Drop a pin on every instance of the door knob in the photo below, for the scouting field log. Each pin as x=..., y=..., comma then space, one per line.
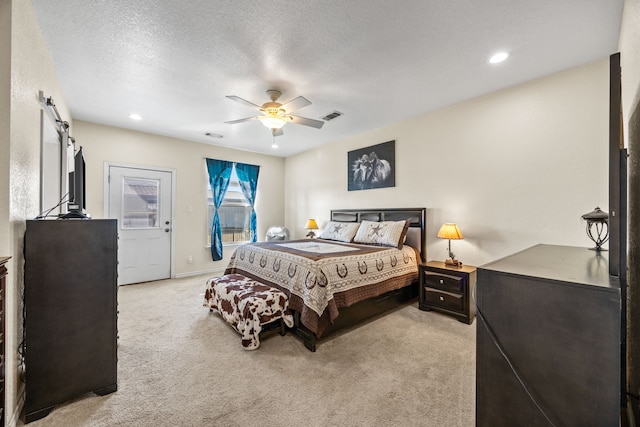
x=166, y=229
x=166, y=222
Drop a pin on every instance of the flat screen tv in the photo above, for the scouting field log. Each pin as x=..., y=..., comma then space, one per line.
x=77, y=196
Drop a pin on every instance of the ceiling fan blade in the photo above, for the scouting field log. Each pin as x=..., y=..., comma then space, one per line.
x=307, y=122
x=232, y=122
x=296, y=104
x=243, y=101
x=277, y=132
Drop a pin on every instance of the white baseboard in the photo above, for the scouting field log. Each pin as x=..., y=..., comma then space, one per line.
x=13, y=421
x=216, y=272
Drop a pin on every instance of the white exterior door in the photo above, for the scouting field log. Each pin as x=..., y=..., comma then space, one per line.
x=141, y=201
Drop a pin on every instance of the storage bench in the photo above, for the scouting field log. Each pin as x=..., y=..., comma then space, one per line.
x=248, y=306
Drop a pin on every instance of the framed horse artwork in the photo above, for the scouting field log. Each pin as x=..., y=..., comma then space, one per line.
x=372, y=167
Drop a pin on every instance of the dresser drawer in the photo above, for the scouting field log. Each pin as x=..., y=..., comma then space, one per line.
x=444, y=299
x=444, y=281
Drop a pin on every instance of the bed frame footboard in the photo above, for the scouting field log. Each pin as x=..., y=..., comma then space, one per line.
x=356, y=314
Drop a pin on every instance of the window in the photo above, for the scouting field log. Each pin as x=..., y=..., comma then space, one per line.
x=235, y=213
x=140, y=203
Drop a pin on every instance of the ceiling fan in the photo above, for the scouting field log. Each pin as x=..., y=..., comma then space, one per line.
x=275, y=115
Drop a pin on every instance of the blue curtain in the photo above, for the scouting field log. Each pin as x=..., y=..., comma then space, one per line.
x=248, y=177
x=219, y=173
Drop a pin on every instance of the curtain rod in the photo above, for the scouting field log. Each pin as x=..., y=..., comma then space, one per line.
x=233, y=161
x=64, y=125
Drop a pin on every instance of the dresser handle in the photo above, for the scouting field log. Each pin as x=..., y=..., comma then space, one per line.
x=441, y=282
x=441, y=298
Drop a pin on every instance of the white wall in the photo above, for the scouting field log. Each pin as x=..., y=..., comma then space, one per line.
x=630, y=57
x=513, y=168
x=5, y=123
x=109, y=144
x=30, y=69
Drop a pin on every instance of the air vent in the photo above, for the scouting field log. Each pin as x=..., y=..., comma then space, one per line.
x=332, y=116
x=213, y=135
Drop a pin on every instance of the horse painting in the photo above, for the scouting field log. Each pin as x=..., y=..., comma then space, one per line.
x=370, y=172
x=368, y=169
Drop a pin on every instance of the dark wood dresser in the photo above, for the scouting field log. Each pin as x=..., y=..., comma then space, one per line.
x=70, y=307
x=555, y=312
x=3, y=351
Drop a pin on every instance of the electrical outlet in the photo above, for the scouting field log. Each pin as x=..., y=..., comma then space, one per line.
x=190, y=259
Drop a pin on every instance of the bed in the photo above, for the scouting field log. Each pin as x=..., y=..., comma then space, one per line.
x=355, y=271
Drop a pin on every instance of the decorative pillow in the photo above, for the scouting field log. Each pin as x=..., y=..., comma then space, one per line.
x=385, y=233
x=340, y=231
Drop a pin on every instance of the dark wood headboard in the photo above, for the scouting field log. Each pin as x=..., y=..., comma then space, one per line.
x=416, y=234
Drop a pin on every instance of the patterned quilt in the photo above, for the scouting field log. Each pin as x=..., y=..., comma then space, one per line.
x=321, y=276
x=247, y=305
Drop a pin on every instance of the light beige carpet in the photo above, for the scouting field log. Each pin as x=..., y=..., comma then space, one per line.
x=180, y=365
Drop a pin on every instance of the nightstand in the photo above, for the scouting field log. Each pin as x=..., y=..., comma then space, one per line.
x=448, y=289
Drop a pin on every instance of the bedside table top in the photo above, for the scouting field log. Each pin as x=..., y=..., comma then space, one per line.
x=441, y=265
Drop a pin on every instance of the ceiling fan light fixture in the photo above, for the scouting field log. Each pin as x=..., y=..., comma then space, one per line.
x=275, y=115
x=273, y=122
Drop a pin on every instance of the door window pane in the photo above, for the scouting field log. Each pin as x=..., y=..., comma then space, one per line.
x=140, y=203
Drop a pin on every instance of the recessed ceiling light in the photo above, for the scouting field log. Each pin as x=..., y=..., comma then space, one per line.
x=135, y=116
x=274, y=145
x=498, y=57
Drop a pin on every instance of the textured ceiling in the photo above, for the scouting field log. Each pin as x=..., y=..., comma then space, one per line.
x=376, y=61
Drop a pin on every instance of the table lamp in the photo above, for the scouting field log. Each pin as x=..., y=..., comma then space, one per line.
x=311, y=225
x=450, y=231
x=597, y=227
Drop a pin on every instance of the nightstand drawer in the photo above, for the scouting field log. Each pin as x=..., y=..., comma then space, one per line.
x=444, y=281
x=444, y=299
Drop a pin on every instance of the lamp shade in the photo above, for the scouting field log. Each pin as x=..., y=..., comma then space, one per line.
x=311, y=224
x=450, y=231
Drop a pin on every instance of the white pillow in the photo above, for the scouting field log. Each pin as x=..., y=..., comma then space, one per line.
x=340, y=231
x=385, y=233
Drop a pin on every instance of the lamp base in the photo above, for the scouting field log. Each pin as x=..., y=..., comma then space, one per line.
x=453, y=262
x=311, y=235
